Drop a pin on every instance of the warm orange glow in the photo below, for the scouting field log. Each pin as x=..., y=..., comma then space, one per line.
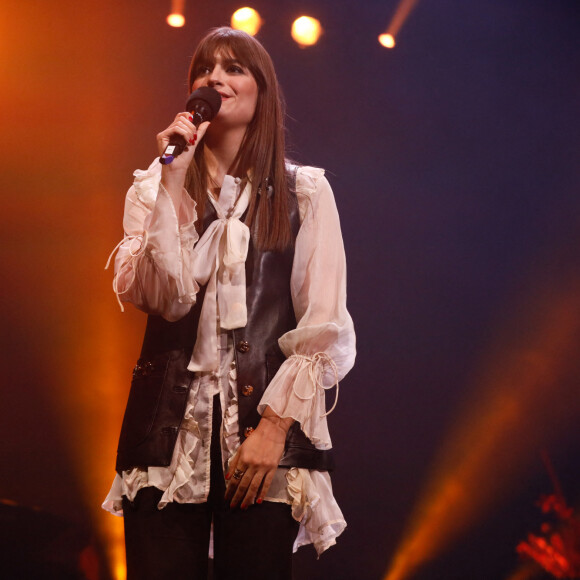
x=387, y=40
x=85, y=348
x=111, y=533
x=516, y=404
x=306, y=30
x=96, y=413
x=95, y=368
x=176, y=20
x=117, y=555
x=246, y=19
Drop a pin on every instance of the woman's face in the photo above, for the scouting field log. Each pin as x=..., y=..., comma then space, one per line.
x=235, y=84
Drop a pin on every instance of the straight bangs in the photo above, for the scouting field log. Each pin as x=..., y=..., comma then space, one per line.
x=232, y=44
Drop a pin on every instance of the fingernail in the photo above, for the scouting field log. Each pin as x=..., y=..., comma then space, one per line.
x=192, y=141
x=244, y=506
x=228, y=475
x=190, y=119
x=259, y=500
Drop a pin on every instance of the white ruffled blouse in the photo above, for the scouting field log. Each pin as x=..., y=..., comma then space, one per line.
x=160, y=266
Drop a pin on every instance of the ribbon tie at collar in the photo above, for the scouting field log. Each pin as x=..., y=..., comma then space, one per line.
x=219, y=261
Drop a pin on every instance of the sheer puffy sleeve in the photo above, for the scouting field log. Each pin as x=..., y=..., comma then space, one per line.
x=321, y=350
x=153, y=263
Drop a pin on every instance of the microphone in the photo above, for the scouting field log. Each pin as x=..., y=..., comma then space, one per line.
x=204, y=104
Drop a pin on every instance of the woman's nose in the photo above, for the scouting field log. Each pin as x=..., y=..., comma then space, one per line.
x=215, y=78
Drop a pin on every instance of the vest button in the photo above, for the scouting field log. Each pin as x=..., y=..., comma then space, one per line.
x=248, y=431
x=243, y=346
x=247, y=390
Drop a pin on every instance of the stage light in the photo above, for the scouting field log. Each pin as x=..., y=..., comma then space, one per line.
x=246, y=19
x=387, y=40
x=403, y=11
x=523, y=397
x=176, y=18
x=306, y=31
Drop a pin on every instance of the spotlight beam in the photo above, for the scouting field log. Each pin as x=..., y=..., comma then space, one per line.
x=517, y=404
x=403, y=11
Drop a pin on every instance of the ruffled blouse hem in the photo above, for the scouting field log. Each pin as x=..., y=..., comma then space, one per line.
x=309, y=493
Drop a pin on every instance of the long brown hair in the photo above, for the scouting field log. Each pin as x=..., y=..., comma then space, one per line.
x=261, y=157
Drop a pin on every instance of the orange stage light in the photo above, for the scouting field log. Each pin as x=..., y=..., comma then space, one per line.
x=306, y=31
x=246, y=19
x=404, y=9
x=525, y=393
x=176, y=18
x=387, y=40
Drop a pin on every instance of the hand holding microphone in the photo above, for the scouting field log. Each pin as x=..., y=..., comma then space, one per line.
x=203, y=104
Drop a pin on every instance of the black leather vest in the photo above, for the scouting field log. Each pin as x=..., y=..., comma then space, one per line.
x=161, y=381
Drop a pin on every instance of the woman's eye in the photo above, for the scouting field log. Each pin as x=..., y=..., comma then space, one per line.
x=203, y=69
x=234, y=68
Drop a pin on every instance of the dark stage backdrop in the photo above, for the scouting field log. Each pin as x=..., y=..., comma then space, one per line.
x=454, y=161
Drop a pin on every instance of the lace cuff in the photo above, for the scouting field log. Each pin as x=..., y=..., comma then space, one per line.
x=129, y=264
x=298, y=391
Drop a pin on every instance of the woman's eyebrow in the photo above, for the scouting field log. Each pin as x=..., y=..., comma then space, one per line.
x=226, y=61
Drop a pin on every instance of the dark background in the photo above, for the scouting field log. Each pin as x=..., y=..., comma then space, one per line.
x=454, y=162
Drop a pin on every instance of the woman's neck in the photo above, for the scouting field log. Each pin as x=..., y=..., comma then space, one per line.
x=220, y=153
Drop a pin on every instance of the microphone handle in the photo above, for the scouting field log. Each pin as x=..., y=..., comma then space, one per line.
x=177, y=142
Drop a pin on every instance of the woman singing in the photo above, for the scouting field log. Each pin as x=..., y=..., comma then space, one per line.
x=236, y=255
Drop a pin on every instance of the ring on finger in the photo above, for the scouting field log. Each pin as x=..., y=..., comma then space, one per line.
x=238, y=474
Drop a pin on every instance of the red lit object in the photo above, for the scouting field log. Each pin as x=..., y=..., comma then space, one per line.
x=558, y=550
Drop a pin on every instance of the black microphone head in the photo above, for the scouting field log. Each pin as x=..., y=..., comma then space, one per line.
x=205, y=101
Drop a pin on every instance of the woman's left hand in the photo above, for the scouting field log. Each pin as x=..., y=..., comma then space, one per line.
x=252, y=468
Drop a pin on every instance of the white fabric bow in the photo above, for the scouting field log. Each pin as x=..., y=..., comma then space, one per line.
x=219, y=261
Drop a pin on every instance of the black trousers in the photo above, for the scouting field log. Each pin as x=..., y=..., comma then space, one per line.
x=173, y=543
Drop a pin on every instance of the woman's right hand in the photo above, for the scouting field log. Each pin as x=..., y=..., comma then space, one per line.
x=173, y=174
